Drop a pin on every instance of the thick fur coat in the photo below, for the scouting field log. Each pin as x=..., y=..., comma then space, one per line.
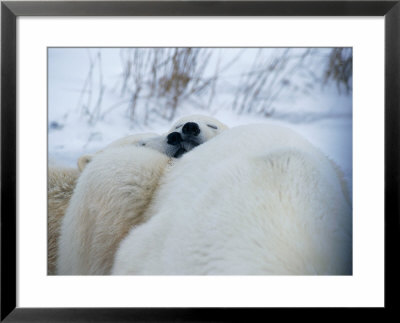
x=254, y=200
x=110, y=198
x=114, y=191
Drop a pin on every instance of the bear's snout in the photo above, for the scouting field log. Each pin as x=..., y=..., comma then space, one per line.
x=191, y=128
x=174, y=138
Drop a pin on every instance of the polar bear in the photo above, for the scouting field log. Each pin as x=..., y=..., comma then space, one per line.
x=256, y=199
x=185, y=134
x=110, y=197
x=61, y=184
x=115, y=189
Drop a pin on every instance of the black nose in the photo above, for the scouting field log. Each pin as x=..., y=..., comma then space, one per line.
x=191, y=128
x=174, y=138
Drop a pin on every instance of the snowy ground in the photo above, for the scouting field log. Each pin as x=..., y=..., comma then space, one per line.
x=322, y=116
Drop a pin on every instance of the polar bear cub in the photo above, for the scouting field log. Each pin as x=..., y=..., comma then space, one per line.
x=185, y=134
x=110, y=197
x=114, y=192
x=61, y=184
x=256, y=199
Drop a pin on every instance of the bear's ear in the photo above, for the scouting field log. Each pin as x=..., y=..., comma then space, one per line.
x=83, y=161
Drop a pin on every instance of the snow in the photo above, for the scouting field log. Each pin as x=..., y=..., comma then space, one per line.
x=320, y=114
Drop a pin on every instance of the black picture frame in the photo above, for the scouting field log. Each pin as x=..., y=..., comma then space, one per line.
x=10, y=10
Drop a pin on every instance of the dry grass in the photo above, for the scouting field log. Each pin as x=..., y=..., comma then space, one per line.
x=157, y=82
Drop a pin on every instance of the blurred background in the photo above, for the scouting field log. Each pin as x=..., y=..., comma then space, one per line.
x=97, y=95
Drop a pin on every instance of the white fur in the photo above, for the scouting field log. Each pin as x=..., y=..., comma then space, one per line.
x=60, y=186
x=254, y=200
x=127, y=141
x=109, y=199
x=112, y=194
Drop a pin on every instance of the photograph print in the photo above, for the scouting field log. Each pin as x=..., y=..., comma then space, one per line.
x=199, y=161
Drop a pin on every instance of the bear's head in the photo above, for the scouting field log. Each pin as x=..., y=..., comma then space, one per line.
x=191, y=131
x=132, y=140
x=186, y=134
